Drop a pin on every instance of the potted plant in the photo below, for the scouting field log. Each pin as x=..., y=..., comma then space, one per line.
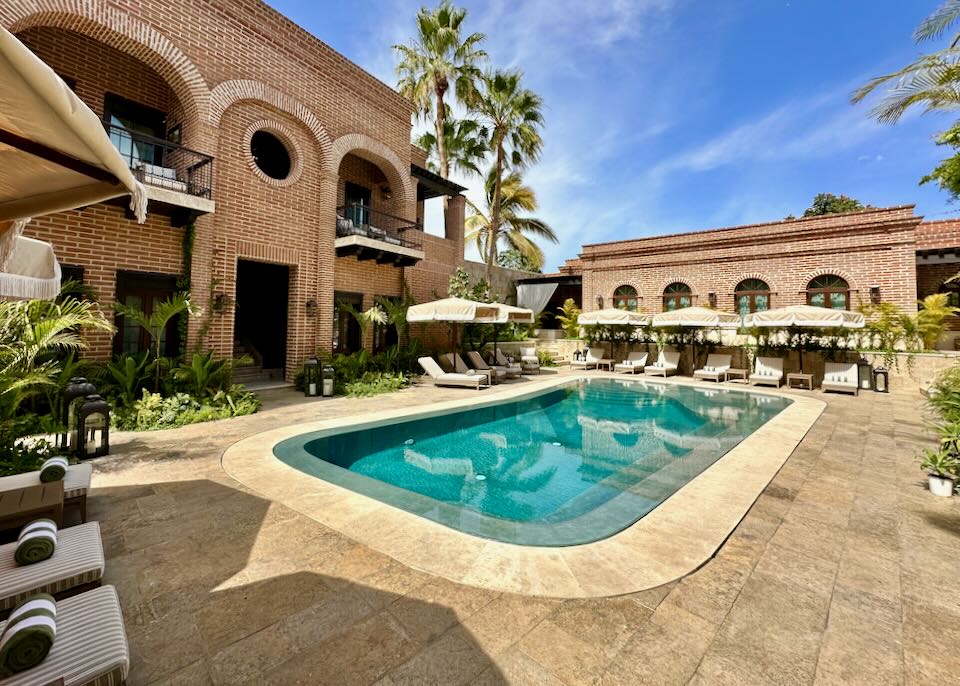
x=941, y=467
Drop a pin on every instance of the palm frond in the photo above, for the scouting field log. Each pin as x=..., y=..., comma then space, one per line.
x=938, y=23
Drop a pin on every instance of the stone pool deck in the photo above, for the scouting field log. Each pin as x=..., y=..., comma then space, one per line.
x=843, y=571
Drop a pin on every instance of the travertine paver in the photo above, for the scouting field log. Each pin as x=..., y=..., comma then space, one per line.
x=843, y=571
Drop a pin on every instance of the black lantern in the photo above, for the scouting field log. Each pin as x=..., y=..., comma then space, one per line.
x=328, y=376
x=311, y=380
x=864, y=375
x=881, y=380
x=93, y=427
x=73, y=394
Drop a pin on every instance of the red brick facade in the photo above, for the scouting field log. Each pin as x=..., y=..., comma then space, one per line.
x=221, y=71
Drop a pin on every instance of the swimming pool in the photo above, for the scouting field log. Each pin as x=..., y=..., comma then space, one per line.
x=565, y=466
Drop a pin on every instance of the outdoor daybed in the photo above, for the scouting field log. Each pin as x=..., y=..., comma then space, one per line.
x=716, y=366
x=841, y=377
x=442, y=378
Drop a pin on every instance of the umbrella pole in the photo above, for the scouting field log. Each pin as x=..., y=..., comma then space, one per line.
x=495, y=337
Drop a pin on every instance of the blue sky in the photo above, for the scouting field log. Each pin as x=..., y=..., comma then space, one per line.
x=676, y=115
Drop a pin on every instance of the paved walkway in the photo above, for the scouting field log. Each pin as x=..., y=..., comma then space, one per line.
x=844, y=571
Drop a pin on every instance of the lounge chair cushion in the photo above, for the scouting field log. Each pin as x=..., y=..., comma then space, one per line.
x=76, y=483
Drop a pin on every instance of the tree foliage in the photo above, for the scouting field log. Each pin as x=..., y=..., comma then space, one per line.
x=947, y=173
x=569, y=318
x=465, y=142
x=828, y=203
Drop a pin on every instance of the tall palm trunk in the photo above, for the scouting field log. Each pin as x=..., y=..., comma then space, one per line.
x=493, y=233
x=441, y=124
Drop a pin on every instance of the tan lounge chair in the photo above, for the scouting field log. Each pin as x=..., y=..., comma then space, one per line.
x=591, y=360
x=442, y=378
x=452, y=362
x=634, y=363
x=668, y=363
x=480, y=364
x=714, y=369
x=529, y=361
x=841, y=377
x=90, y=648
x=76, y=565
x=502, y=361
x=76, y=484
x=768, y=371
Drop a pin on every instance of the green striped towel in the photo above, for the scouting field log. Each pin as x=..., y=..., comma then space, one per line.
x=53, y=469
x=28, y=635
x=36, y=542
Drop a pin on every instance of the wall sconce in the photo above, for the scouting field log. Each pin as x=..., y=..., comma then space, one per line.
x=874, y=295
x=599, y=302
x=221, y=303
x=712, y=300
x=311, y=308
x=386, y=192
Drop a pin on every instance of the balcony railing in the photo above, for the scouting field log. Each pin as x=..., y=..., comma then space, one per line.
x=162, y=164
x=360, y=220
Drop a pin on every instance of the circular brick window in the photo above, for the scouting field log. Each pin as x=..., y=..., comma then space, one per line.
x=272, y=154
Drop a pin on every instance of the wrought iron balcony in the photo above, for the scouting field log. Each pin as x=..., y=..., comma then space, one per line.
x=360, y=220
x=162, y=164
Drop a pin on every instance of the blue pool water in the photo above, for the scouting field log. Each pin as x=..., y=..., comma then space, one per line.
x=569, y=465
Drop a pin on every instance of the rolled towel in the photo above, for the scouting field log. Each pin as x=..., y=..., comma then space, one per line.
x=54, y=469
x=29, y=634
x=36, y=542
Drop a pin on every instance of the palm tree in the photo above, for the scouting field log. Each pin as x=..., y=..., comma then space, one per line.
x=436, y=58
x=516, y=230
x=511, y=115
x=156, y=322
x=932, y=80
x=931, y=318
x=465, y=144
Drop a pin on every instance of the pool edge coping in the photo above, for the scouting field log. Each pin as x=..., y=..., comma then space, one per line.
x=673, y=540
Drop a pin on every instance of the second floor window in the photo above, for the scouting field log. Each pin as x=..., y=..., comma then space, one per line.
x=752, y=295
x=676, y=296
x=830, y=291
x=625, y=298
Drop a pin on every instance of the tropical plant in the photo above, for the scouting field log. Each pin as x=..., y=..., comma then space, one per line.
x=512, y=118
x=465, y=142
x=931, y=319
x=395, y=310
x=156, y=322
x=204, y=375
x=947, y=173
x=514, y=259
x=940, y=463
x=516, y=229
x=436, y=59
x=365, y=318
x=568, y=318
x=154, y=411
x=128, y=374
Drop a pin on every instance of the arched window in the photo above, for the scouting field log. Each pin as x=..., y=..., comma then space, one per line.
x=625, y=297
x=752, y=295
x=830, y=291
x=676, y=296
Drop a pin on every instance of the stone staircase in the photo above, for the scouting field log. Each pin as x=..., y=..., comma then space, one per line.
x=254, y=376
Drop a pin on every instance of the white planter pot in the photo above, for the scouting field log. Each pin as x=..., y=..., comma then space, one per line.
x=941, y=486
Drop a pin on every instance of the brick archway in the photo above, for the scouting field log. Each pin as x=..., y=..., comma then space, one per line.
x=121, y=31
x=376, y=152
x=231, y=92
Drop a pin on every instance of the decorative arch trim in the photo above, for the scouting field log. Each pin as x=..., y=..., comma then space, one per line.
x=378, y=153
x=810, y=276
x=676, y=279
x=753, y=275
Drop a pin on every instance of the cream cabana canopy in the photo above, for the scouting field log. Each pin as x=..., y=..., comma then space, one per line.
x=805, y=316
x=697, y=317
x=455, y=310
x=54, y=156
x=510, y=313
x=612, y=316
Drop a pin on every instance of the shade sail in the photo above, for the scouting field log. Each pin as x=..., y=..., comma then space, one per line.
x=805, y=316
x=699, y=317
x=612, y=316
x=454, y=310
x=510, y=313
x=54, y=152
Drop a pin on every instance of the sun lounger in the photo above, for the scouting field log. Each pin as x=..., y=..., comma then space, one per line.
x=590, y=360
x=529, y=361
x=668, y=363
x=634, y=363
x=512, y=367
x=76, y=484
x=714, y=369
x=442, y=378
x=768, y=371
x=76, y=565
x=452, y=362
x=841, y=377
x=90, y=647
x=498, y=373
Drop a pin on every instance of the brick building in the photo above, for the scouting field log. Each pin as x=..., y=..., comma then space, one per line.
x=885, y=254
x=281, y=176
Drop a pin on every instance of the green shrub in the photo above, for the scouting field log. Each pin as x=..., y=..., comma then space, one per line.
x=153, y=411
x=545, y=358
x=374, y=383
x=16, y=455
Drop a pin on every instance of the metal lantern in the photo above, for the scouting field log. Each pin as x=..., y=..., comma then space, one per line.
x=73, y=394
x=93, y=427
x=328, y=376
x=311, y=380
x=881, y=380
x=864, y=375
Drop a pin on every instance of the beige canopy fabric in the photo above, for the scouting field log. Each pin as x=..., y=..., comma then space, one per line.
x=455, y=310
x=509, y=313
x=699, y=317
x=612, y=316
x=30, y=271
x=805, y=316
x=54, y=152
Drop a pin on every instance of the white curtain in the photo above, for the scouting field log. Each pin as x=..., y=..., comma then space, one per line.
x=535, y=296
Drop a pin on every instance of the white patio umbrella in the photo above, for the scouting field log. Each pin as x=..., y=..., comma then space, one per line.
x=54, y=156
x=804, y=317
x=612, y=316
x=455, y=311
x=697, y=318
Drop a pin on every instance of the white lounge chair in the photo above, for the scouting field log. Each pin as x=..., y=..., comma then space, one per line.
x=841, y=377
x=452, y=362
x=668, y=363
x=76, y=565
x=76, y=484
x=529, y=361
x=592, y=359
x=91, y=644
x=768, y=371
x=442, y=378
x=504, y=362
x=714, y=369
x=634, y=363
x=497, y=374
